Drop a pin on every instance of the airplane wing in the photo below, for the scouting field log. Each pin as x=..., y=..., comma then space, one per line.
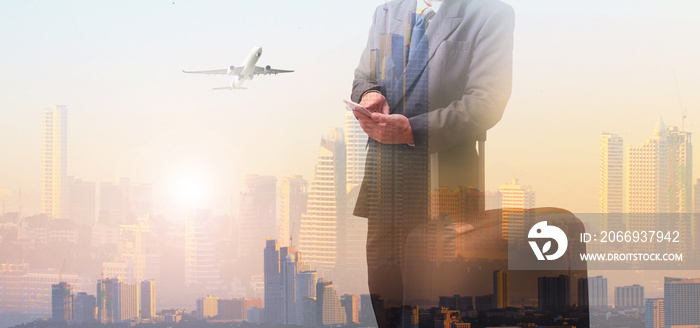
x=213, y=71
x=267, y=70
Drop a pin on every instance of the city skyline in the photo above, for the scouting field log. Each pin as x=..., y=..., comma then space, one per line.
x=202, y=135
x=152, y=154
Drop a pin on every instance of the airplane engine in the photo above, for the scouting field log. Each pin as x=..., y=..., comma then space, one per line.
x=230, y=70
x=267, y=70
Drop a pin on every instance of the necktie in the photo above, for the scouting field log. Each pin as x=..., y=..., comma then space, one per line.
x=419, y=30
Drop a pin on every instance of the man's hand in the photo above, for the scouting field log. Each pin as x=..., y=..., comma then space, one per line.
x=381, y=126
x=375, y=102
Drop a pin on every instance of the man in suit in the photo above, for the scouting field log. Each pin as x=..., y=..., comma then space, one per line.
x=436, y=75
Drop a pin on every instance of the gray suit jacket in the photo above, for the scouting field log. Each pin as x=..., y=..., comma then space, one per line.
x=470, y=73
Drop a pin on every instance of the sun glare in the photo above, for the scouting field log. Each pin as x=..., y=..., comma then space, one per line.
x=192, y=189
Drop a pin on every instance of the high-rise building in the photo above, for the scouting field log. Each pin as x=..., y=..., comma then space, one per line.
x=54, y=161
x=409, y=317
x=351, y=304
x=629, y=297
x=515, y=199
x=320, y=238
x=611, y=173
x=292, y=196
x=289, y=267
x=593, y=292
x=82, y=207
x=200, y=254
x=680, y=170
x=207, y=307
x=281, y=268
x=681, y=302
x=659, y=173
x=352, y=254
x=306, y=289
x=329, y=312
x=654, y=313
x=125, y=301
x=501, y=289
x=612, y=201
x=553, y=293
x=696, y=194
x=356, y=150
x=366, y=310
x=137, y=258
x=61, y=302
x=273, y=283
x=148, y=299
x=257, y=217
x=105, y=298
x=124, y=202
x=84, y=308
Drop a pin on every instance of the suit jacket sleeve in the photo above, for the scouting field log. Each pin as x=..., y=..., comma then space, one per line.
x=486, y=93
x=363, y=82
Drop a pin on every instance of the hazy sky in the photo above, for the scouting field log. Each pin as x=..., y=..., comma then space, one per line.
x=580, y=68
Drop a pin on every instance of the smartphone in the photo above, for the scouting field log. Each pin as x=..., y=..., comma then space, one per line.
x=357, y=107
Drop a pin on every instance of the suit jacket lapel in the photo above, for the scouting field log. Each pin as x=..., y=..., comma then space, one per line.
x=440, y=28
x=443, y=24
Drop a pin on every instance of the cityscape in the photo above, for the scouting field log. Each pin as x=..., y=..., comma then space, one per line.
x=248, y=269
x=133, y=196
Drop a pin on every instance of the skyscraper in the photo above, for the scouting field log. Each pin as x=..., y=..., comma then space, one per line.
x=515, y=199
x=320, y=237
x=306, y=290
x=148, y=299
x=681, y=302
x=696, y=201
x=680, y=170
x=207, y=307
x=659, y=173
x=124, y=202
x=501, y=289
x=84, y=308
x=647, y=174
x=352, y=256
x=257, y=217
x=273, y=283
x=289, y=267
x=597, y=293
x=200, y=257
x=54, y=161
x=292, y=196
x=329, y=311
x=61, y=302
x=611, y=173
x=125, y=301
x=553, y=293
x=105, y=297
x=83, y=202
x=351, y=304
x=629, y=297
x=654, y=313
x=612, y=201
x=356, y=151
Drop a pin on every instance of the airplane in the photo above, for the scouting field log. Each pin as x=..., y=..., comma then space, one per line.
x=244, y=72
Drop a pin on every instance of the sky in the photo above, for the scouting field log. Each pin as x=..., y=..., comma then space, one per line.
x=580, y=69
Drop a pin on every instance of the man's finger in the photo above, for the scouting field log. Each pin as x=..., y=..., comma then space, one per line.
x=382, y=118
